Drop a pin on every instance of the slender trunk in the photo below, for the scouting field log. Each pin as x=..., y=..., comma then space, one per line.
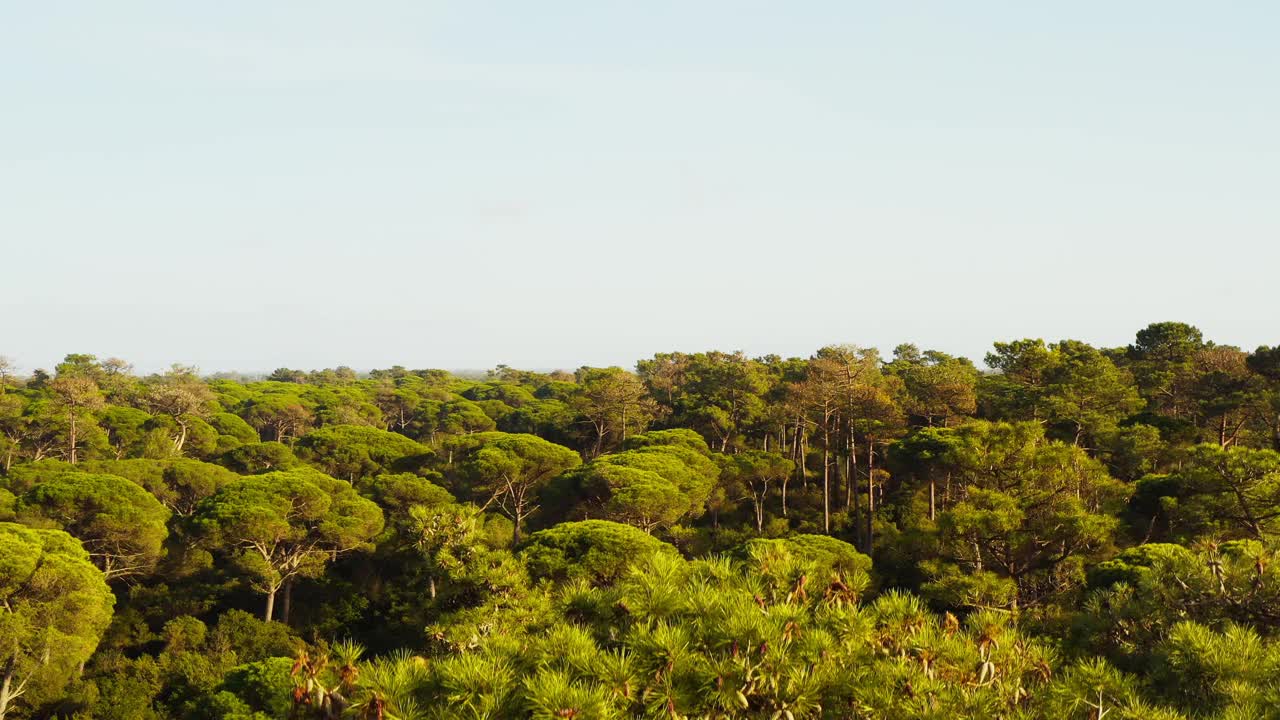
x=73, y=438
x=826, y=482
x=6, y=688
x=933, y=499
x=271, y=605
x=871, y=493
x=853, y=485
x=849, y=478
x=837, y=476
x=804, y=457
x=286, y=602
x=431, y=581
x=182, y=438
x=515, y=533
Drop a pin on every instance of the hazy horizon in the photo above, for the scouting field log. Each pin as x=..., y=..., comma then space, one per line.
x=457, y=185
x=25, y=368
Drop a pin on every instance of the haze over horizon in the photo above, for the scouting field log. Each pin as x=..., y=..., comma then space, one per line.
x=886, y=352
x=457, y=185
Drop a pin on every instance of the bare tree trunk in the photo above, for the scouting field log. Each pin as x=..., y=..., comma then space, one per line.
x=804, y=456
x=871, y=490
x=271, y=606
x=853, y=480
x=826, y=481
x=837, y=476
x=599, y=440
x=6, y=690
x=850, y=479
x=73, y=438
x=286, y=602
x=182, y=438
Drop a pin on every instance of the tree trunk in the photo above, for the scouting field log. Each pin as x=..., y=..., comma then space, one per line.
x=838, y=478
x=804, y=457
x=871, y=493
x=599, y=441
x=853, y=485
x=6, y=688
x=73, y=439
x=515, y=532
x=271, y=606
x=286, y=602
x=181, y=439
x=826, y=482
x=850, y=480
x=933, y=499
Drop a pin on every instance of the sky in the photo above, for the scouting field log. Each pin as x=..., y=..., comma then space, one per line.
x=244, y=185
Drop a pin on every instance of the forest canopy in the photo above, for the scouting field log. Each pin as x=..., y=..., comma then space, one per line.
x=1064, y=531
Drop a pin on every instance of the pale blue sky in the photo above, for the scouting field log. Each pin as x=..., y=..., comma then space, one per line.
x=243, y=185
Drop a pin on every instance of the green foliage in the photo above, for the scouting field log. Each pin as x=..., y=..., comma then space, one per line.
x=1081, y=533
x=265, y=686
x=121, y=525
x=54, y=607
x=1023, y=509
x=595, y=550
x=282, y=525
x=258, y=457
x=178, y=484
x=354, y=451
x=1232, y=491
x=1141, y=594
x=507, y=471
x=233, y=426
x=674, y=436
